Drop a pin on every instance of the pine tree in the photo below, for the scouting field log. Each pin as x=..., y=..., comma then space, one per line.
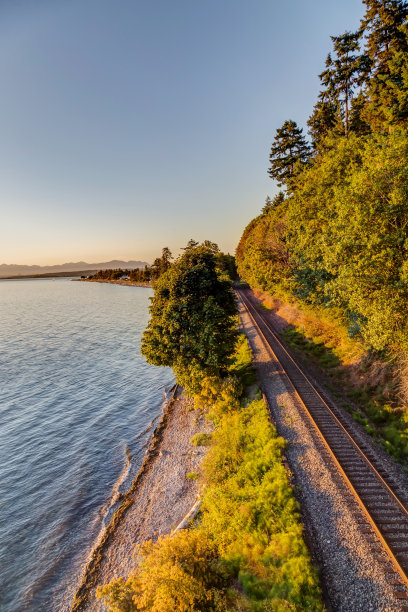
x=271, y=204
x=268, y=206
x=165, y=260
x=347, y=70
x=325, y=119
x=191, y=244
x=289, y=152
x=358, y=123
x=381, y=26
x=385, y=30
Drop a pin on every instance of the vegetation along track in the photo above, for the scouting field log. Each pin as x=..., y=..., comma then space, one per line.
x=383, y=505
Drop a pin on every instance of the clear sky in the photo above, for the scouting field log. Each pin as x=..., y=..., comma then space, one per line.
x=129, y=125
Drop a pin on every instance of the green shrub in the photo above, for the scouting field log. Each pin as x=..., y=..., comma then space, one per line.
x=250, y=534
x=192, y=476
x=201, y=439
x=247, y=553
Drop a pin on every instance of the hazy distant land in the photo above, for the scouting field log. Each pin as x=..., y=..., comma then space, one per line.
x=76, y=268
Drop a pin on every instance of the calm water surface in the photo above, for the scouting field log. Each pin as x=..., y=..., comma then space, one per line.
x=74, y=394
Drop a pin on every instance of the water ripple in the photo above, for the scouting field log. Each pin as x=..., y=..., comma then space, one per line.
x=74, y=394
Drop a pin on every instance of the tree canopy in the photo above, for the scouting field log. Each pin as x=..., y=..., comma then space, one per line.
x=340, y=237
x=193, y=318
x=289, y=152
x=344, y=71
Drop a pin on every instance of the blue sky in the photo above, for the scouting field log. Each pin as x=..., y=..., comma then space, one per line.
x=131, y=125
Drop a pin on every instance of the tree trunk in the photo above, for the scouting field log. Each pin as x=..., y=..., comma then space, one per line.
x=346, y=113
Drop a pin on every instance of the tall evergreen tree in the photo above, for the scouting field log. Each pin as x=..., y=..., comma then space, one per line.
x=165, y=260
x=381, y=26
x=358, y=123
x=385, y=29
x=344, y=72
x=271, y=204
x=325, y=119
x=289, y=152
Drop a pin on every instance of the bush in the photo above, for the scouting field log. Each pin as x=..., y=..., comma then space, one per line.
x=192, y=475
x=201, y=439
x=250, y=535
x=183, y=572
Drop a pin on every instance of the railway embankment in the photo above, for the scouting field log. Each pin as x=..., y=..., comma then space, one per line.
x=357, y=572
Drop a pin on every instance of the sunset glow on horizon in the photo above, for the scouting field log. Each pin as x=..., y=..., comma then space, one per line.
x=127, y=130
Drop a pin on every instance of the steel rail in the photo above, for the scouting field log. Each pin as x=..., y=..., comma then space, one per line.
x=346, y=473
x=308, y=381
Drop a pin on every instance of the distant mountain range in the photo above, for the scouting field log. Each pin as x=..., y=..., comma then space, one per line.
x=21, y=270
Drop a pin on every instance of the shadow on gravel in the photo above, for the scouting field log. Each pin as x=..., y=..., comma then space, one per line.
x=353, y=579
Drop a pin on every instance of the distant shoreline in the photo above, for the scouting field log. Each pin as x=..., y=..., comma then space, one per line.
x=49, y=275
x=115, y=282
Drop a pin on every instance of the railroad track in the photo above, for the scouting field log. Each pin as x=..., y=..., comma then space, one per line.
x=383, y=505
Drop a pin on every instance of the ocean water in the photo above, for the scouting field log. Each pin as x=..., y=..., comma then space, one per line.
x=75, y=394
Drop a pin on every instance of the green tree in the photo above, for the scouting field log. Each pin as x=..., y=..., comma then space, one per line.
x=211, y=246
x=271, y=204
x=381, y=26
x=192, y=327
x=350, y=243
x=166, y=258
x=358, y=123
x=289, y=154
x=161, y=264
x=344, y=71
x=262, y=256
x=191, y=244
x=324, y=120
x=385, y=31
x=226, y=265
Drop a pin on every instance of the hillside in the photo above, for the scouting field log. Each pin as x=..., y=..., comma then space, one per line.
x=330, y=251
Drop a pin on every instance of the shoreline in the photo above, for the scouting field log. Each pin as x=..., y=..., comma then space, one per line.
x=114, y=282
x=157, y=500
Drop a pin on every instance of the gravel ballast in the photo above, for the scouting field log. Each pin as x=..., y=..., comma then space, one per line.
x=354, y=568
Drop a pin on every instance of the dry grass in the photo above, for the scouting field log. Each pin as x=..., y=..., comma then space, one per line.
x=402, y=377
x=378, y=385
x=318, y=325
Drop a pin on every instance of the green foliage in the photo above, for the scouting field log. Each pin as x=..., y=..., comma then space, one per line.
x=182, y=573
x=250, y=510
x=350, y=240
x=193, y=320
x=201, y=439
x=161, y=264
x=341, y=240
x=114, y=274
x=242, y=366
x=226, y=266
x=263, y=257
x=250, y=534
x=387, y=103
x=344, y=72
x=247, y=552
x=140, y=275
x=337, y=247
x=325, y=356
x=382, y=27
x=289, y=154
x=324, y=120
x=271, y=204
x=192, y=475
